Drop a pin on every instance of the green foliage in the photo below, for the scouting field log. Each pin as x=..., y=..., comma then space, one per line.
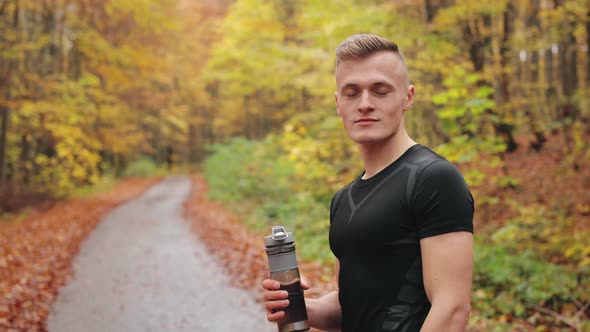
x=549, y=230
x=105, y=183
x=465, y=105
x=532, y=260
x=275, y=181
x=507, y=282
x=143, y=167
x=226, y=168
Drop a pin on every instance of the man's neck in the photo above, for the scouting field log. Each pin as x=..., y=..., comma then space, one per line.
x=376, y=157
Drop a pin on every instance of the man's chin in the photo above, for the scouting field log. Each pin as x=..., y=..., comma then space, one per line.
x=368, y=141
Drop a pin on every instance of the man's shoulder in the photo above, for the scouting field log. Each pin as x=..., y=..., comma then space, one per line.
x=434, y=172
x=422, y=155
x=343, y=189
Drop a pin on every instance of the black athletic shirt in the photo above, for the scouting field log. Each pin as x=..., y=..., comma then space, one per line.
x=375, y=231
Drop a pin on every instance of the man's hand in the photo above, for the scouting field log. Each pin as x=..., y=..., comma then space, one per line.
x=275, y=299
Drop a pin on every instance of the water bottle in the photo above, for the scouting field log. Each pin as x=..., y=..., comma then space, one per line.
x=282, y=263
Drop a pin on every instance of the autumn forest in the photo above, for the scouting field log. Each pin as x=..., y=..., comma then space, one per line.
x=94, y=91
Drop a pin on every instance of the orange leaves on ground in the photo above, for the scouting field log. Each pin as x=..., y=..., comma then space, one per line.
x=545, y=178
x=36, y=254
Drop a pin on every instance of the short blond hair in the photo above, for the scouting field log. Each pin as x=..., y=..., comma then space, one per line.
x=362, y=45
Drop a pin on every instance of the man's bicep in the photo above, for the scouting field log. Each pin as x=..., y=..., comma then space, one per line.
x=447, y=264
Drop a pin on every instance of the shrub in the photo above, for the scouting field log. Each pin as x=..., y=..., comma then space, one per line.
x=143, y=167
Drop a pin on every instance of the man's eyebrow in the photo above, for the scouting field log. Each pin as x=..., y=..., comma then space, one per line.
x=378, y=84
x=349, y=85
x=373, y=85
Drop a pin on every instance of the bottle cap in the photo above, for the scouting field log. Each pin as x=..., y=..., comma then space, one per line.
x=278, y=237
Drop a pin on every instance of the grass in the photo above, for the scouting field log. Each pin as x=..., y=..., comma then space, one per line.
x=105, y=183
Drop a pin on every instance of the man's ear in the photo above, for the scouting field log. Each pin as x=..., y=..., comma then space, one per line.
x=336, y=101
x=409, y=98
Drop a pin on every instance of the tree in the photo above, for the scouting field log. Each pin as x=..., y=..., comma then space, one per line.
x=3, y=133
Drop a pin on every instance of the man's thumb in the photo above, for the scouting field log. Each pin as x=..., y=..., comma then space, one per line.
x=304, y=283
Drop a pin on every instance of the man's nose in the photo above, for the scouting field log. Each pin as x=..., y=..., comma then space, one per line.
x=365, y=104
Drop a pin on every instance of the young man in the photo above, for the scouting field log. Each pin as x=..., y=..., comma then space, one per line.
x=402, y=231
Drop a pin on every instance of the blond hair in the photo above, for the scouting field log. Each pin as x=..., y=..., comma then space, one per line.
x=363, y=45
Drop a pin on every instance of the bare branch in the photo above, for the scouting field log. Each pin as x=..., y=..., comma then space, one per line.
x=553, y=314
x=582, y=310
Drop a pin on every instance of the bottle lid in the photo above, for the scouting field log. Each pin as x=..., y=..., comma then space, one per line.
x=279, y=236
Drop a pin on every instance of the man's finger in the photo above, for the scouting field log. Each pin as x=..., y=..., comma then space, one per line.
x=270, y=284
x=272, y=306
x=275, y=295
x=275, y=317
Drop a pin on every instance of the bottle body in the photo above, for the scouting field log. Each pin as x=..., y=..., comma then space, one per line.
x=296, y=313
x=282, y=262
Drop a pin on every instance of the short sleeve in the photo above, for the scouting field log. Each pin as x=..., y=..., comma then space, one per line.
x=441, y=200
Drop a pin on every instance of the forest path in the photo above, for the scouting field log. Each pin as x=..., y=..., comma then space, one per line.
x=142, y=269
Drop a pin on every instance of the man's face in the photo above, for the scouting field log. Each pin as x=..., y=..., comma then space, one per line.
x=372, y=95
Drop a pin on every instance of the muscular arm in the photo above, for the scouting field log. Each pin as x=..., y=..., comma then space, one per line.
x=325, y=313
x=447, y=262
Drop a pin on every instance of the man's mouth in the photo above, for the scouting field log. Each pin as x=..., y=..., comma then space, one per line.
x=365, y=120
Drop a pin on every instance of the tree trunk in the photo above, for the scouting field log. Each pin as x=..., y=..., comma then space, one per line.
x=60, y=19
x=477, y=45
x=3, y=7
x=569, y=83
x=247, y=120
x=504, y=129
x=535, y=126
x=24, y=156
x=192, y=143
x=3, y=133
x=287, y=14
x=551, y=88
x=587, y=47
x=430, y=10
x=436, y=128
x=532, y=94
x=196, y=138
x=431, y=7
x=504, y=90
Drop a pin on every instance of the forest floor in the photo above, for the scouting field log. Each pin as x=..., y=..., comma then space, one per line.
x=36, y=253
x=549, y=178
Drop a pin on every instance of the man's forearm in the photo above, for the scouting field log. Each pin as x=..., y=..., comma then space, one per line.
x=325, y=313
x=451, y=318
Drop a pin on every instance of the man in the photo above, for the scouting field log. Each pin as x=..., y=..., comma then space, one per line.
x=401, y=231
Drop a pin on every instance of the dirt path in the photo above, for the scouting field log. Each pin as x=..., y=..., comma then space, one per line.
x=143, y=270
